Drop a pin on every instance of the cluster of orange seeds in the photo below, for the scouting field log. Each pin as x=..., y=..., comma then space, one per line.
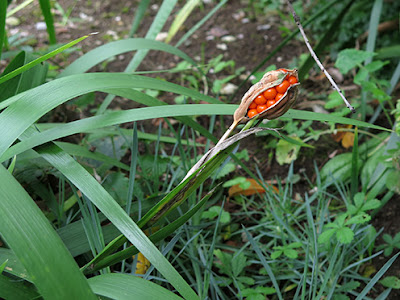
x=271, y=96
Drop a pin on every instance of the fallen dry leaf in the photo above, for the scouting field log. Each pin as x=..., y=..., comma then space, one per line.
x=254, y=188
x=346, y=137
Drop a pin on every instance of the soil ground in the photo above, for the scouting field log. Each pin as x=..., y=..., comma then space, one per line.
x=254, y=36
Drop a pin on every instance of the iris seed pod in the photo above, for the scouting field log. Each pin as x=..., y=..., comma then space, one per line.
x=269, y=80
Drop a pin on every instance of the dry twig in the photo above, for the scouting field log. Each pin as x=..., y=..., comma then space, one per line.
x=297, y=20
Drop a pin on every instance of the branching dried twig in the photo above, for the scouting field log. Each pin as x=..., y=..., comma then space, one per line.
x=297, y=20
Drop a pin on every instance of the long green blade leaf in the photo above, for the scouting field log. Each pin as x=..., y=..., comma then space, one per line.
x=104, y=52
x=163, y=13
x=181, y=17
x=139, y=14
x=155, y=237
x=377, y=276
x=3, y=13
x=12, y=289
x=48, y=18
x=115, y=118
x=40, y=59
x=25, y=108
x=123, y=286
x=308, y=115
x=36, y=244
x=102, y=199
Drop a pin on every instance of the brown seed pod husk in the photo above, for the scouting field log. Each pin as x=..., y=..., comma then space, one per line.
x=269, y=80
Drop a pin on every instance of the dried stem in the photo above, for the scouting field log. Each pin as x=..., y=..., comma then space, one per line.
x=297, y=20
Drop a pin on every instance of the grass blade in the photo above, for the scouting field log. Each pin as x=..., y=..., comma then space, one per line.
x=48, y=18
x=29, y=234
x=354, y=166
x=3, y=13
x=264, y=262
x=181, y=18
x=155, y=237
x=140, y=13
x=377, y=276
x=163, y=13
x=200, y=23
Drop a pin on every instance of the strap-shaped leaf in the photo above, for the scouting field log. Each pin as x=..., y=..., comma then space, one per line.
x=104, y=52
x=123, y=286
x=89, y=186
x=29, y=234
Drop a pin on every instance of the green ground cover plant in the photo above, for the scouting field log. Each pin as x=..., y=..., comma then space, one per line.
x=104, y=207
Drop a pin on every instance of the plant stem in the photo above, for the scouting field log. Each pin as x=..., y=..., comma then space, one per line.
x=297, y=20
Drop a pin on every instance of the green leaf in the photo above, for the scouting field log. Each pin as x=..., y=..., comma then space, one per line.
x=25, y=81
x=3, y=266
x=291, y=253
x=287, y=152
x=48, y=17
x=155, y=237
x=239, y=262
x=124, y=286
x=158, y=23
x=388, y=251
x=359, y=199
x=349, y=286
x=14, y=266
x=358, y=219
x=104, y=52
x=246, y=280
x=266, y=290
x=225, y=262
x=13, y=289
x=201, y=22
x=139, y=15
x=371, y=204
x=326, y=235
x=276, y=254
x=332, y=225
x=376, y=65
x=344, y=235
x=110, y=208
x=350, y=58
x=3, y=14
x=396, y=238
x=40, y=59
x=181, y=17
x=337, y=168
x=33, y=240
x=294, y=245
x=387, y=238
x=377, y=276
x=44, y=102
x=308, y=115
x=388, y=52
x=361, y=76
x=391, y=282
x=234, y=181
x=214, y=212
